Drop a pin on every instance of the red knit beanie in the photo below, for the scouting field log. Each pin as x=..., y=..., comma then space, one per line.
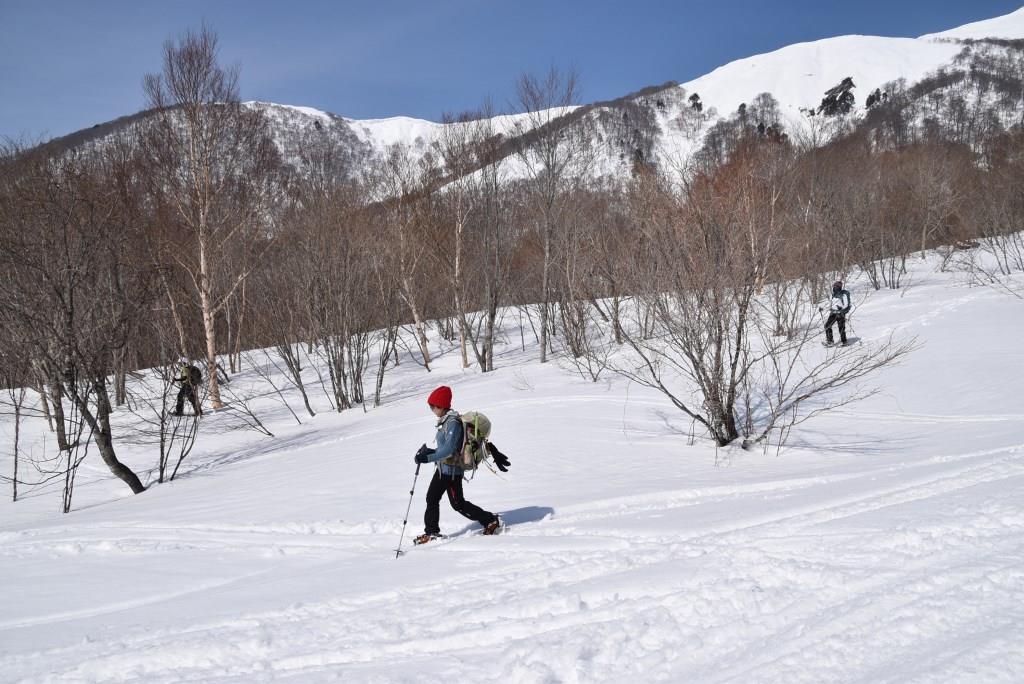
x=441, y=397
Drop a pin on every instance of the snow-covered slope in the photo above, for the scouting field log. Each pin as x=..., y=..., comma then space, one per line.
x=798, y=75
x=886, y=544
x=362, y=143
x=1009, y=26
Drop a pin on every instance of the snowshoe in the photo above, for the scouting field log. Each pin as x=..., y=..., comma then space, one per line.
x=426, y=538
x=494, y=528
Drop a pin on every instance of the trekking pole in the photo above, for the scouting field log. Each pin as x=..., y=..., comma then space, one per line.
x=821, y=318
x=398, y=551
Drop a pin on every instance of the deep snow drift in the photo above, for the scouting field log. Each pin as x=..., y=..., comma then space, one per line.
x=886, y=544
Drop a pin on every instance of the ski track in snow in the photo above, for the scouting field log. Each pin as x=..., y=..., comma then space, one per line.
x=629, y=558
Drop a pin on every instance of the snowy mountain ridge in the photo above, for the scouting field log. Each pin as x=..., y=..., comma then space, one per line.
x=796, y=76
x=1009, y=26
x=657, y=124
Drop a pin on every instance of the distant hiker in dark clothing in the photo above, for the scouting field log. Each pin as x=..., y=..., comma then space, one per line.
x=447, y=478
x=839, y=306
x=190, y=379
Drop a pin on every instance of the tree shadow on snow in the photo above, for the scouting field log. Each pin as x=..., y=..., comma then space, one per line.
x=200, y=467
x=850, y=443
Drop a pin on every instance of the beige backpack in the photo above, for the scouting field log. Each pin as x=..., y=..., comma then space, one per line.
x=476, y=428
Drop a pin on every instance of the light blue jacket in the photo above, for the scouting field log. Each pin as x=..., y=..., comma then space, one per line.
x=449, y=441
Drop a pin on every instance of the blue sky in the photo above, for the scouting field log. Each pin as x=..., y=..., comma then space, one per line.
x=67, y=65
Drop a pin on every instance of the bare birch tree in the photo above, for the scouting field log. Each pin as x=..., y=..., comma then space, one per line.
x=477, y=228
x=211, y=161
x=552, y=154
x=405, y=184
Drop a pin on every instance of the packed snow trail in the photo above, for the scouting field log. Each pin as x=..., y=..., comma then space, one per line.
x=885, y=545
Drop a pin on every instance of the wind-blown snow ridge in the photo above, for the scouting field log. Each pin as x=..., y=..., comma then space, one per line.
x=798, y=75
x=1009, y=26
x=308, y=111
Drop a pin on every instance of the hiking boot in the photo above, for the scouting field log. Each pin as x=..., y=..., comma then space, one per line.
x=494, y=527
x=424, y=538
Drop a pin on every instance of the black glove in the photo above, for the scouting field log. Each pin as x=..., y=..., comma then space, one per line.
x=500, y=459
x=424, y=453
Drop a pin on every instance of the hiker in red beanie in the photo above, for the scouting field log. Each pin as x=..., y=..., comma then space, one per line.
x=448, y=475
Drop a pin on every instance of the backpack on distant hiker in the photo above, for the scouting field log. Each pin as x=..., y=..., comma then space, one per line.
x=190, y=374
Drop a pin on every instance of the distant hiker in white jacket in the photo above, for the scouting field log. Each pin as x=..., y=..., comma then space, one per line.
x=839, y=306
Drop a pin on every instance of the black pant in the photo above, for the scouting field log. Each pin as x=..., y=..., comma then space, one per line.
x=836, y=317
x=187, y=392
x=440, y=484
